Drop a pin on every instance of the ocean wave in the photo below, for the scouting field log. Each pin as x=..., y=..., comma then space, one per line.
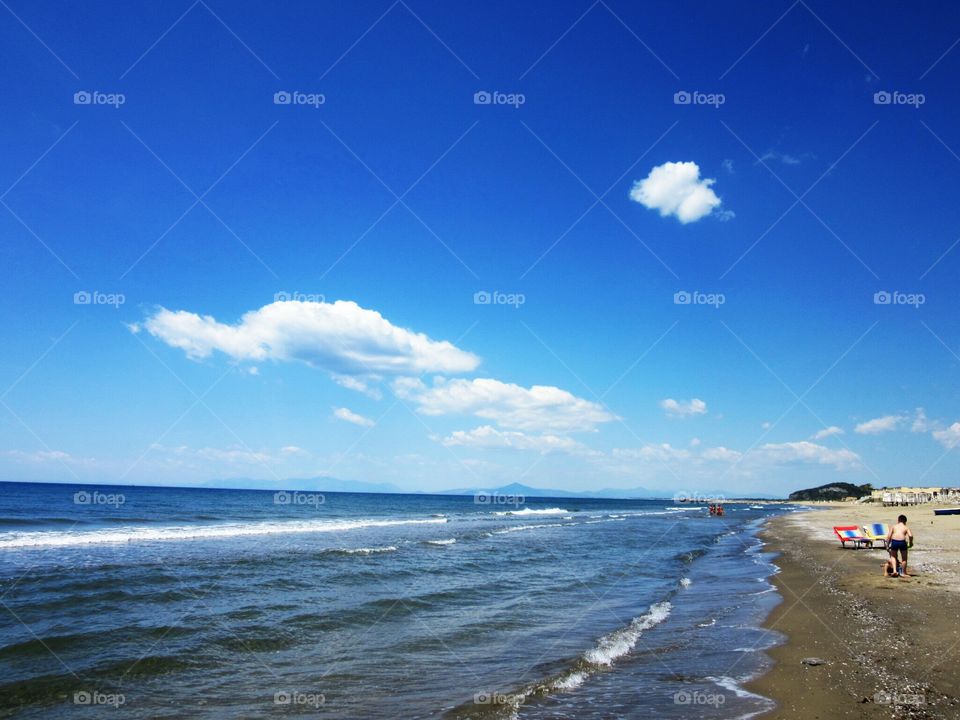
x=620, y=642
x=525, y=527
x=530, y=511
x=686, y=582
x=57, y=538
x=449, y=541
x=367, y=551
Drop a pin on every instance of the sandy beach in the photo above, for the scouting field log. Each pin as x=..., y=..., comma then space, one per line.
x=890, y=646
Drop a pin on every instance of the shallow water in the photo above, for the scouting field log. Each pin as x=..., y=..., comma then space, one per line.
x=212, y=604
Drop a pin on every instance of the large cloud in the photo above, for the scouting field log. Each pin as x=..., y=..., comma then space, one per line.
x=341, y=337
x=675, y=188
x=541, y=407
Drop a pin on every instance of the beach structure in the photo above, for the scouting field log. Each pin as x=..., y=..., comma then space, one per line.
x=915, y=495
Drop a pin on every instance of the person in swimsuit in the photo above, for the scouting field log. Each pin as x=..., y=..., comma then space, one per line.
x=899, y=540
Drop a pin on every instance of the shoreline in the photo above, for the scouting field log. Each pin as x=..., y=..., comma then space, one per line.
x=890, y=646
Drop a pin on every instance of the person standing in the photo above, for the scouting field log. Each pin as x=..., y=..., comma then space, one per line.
x=899, y=540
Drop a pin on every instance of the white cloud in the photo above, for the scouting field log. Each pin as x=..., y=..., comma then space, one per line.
x=887, y=423
x=675, y=188
x=489, y=437
x=683, y=408
x=340, y=337
x=47, y=456
x=807, y=452
x=662, y=452
x=920, y=422
x=541, y=407
x=784, y=158
x=360, y=384
x=828, y=432
x=950, y=437
x=231, y=455
x=349, y=416
x=764, y=457
x=722, y=454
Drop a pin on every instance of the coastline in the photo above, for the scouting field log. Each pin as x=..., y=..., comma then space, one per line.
x=890, y=645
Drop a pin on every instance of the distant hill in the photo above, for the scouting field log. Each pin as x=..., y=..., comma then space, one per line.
x=832, y=491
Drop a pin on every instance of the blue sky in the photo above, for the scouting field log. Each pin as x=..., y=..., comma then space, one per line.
x=285, y=290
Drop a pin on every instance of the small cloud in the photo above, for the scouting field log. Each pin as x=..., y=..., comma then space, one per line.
x=920, y=422
x=487, y=436
x=695, y=442
x=722, y=454
x=828, y=432
x=675, y=188
x=766, y=425
x=728, y=166
x=950, y=437
x=887, y=423
x=349, y=416
x=784, y=158
x=683, y=408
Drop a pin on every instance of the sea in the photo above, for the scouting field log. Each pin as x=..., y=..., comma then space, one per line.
x=150, y=602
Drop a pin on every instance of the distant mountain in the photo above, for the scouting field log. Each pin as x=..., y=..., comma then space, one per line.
x=832, y=491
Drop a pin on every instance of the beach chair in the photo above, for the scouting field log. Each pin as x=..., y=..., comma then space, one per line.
x=876, y=532
x=851, y=534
